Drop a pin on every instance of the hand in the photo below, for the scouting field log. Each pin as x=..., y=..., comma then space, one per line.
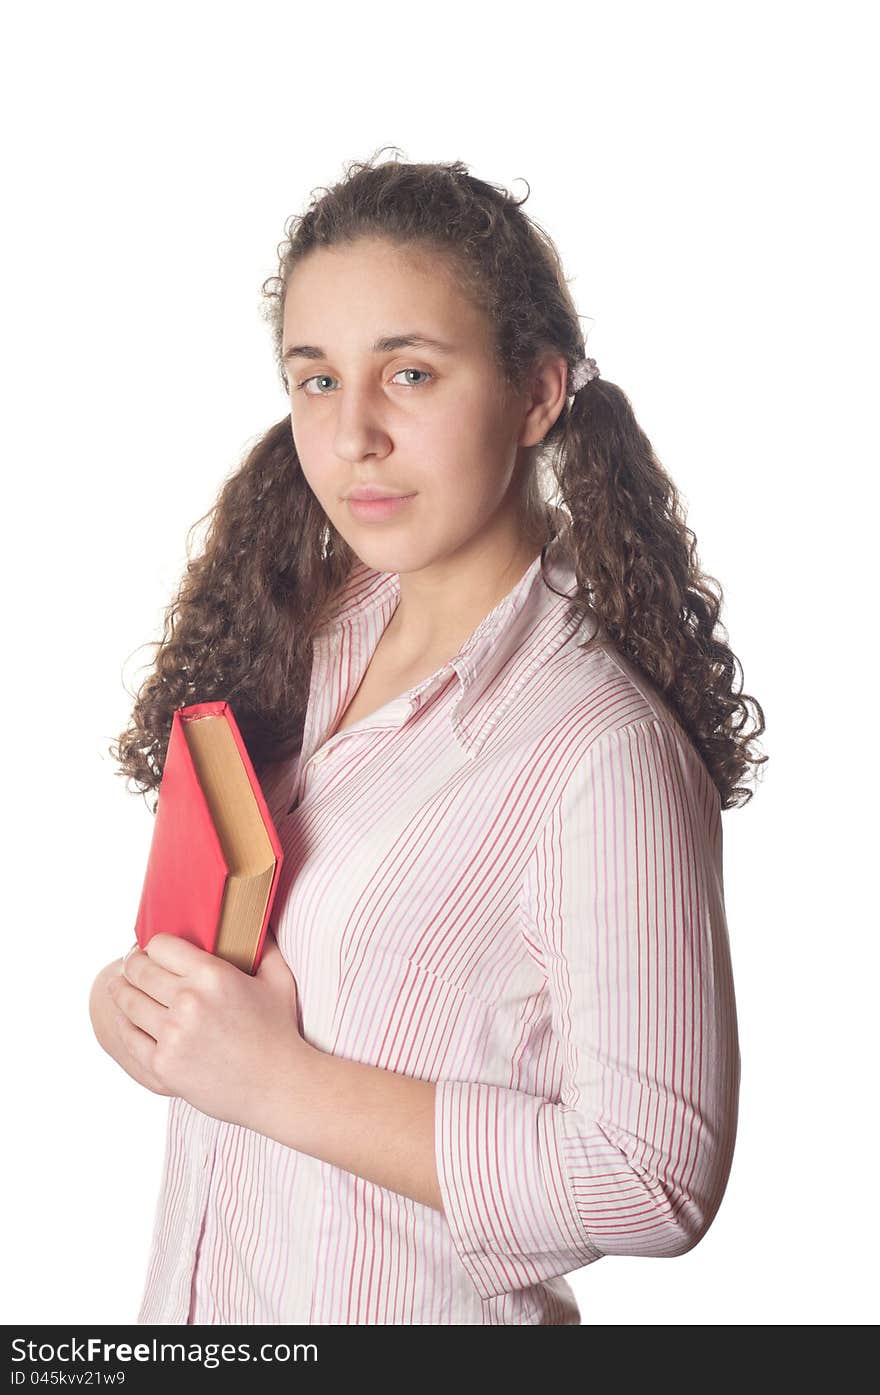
x=206, y=1030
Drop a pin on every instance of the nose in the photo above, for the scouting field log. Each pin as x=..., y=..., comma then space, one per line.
x=360, y=427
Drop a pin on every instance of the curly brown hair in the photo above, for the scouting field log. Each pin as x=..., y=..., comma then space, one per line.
x=241, y=625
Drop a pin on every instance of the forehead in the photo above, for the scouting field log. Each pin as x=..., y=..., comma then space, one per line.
x=354, y=294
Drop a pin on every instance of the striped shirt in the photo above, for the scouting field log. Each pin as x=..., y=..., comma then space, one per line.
x=507, y=881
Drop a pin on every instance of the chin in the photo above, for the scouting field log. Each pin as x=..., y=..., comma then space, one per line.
x=390, y=554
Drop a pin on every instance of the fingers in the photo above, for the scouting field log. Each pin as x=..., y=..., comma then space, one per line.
x=139, y=970
x=140, y=1046
x=140, y=1009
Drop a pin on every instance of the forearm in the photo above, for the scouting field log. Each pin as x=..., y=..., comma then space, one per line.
x=372, y=1122
x=103, y=1012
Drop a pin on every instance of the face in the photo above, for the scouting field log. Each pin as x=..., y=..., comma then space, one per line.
x=437, y=425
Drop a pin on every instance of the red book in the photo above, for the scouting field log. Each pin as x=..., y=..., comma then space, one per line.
x=215, y=856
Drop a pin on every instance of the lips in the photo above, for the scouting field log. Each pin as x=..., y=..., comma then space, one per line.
x=376, y=492
x=379, y=507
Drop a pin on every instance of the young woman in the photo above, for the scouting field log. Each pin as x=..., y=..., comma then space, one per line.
x=455, y=606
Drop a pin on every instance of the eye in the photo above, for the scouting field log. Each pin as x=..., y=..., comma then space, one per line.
x=318, y=377
x=415, y=370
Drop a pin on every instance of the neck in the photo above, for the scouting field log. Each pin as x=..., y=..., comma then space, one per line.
x=441, y=605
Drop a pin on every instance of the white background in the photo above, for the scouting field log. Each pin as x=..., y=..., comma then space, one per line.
x=706, y=172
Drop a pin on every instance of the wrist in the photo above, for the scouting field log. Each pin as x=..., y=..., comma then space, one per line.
x=289, y=1105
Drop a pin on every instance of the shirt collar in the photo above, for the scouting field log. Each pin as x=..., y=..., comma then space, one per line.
x=366, y=590
x=524, y=610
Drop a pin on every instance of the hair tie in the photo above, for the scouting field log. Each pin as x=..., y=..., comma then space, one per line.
x=583, y=372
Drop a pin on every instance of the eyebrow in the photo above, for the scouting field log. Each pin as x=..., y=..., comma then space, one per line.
x=385, y=345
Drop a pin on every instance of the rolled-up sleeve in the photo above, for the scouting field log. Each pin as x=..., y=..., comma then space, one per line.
x=623, y=907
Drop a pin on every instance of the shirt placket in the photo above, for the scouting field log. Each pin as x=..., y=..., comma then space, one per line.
x=206, y=1154
x=393, y=715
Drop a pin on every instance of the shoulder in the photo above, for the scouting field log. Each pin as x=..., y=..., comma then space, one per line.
x=589, y=690
x=597, y=713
